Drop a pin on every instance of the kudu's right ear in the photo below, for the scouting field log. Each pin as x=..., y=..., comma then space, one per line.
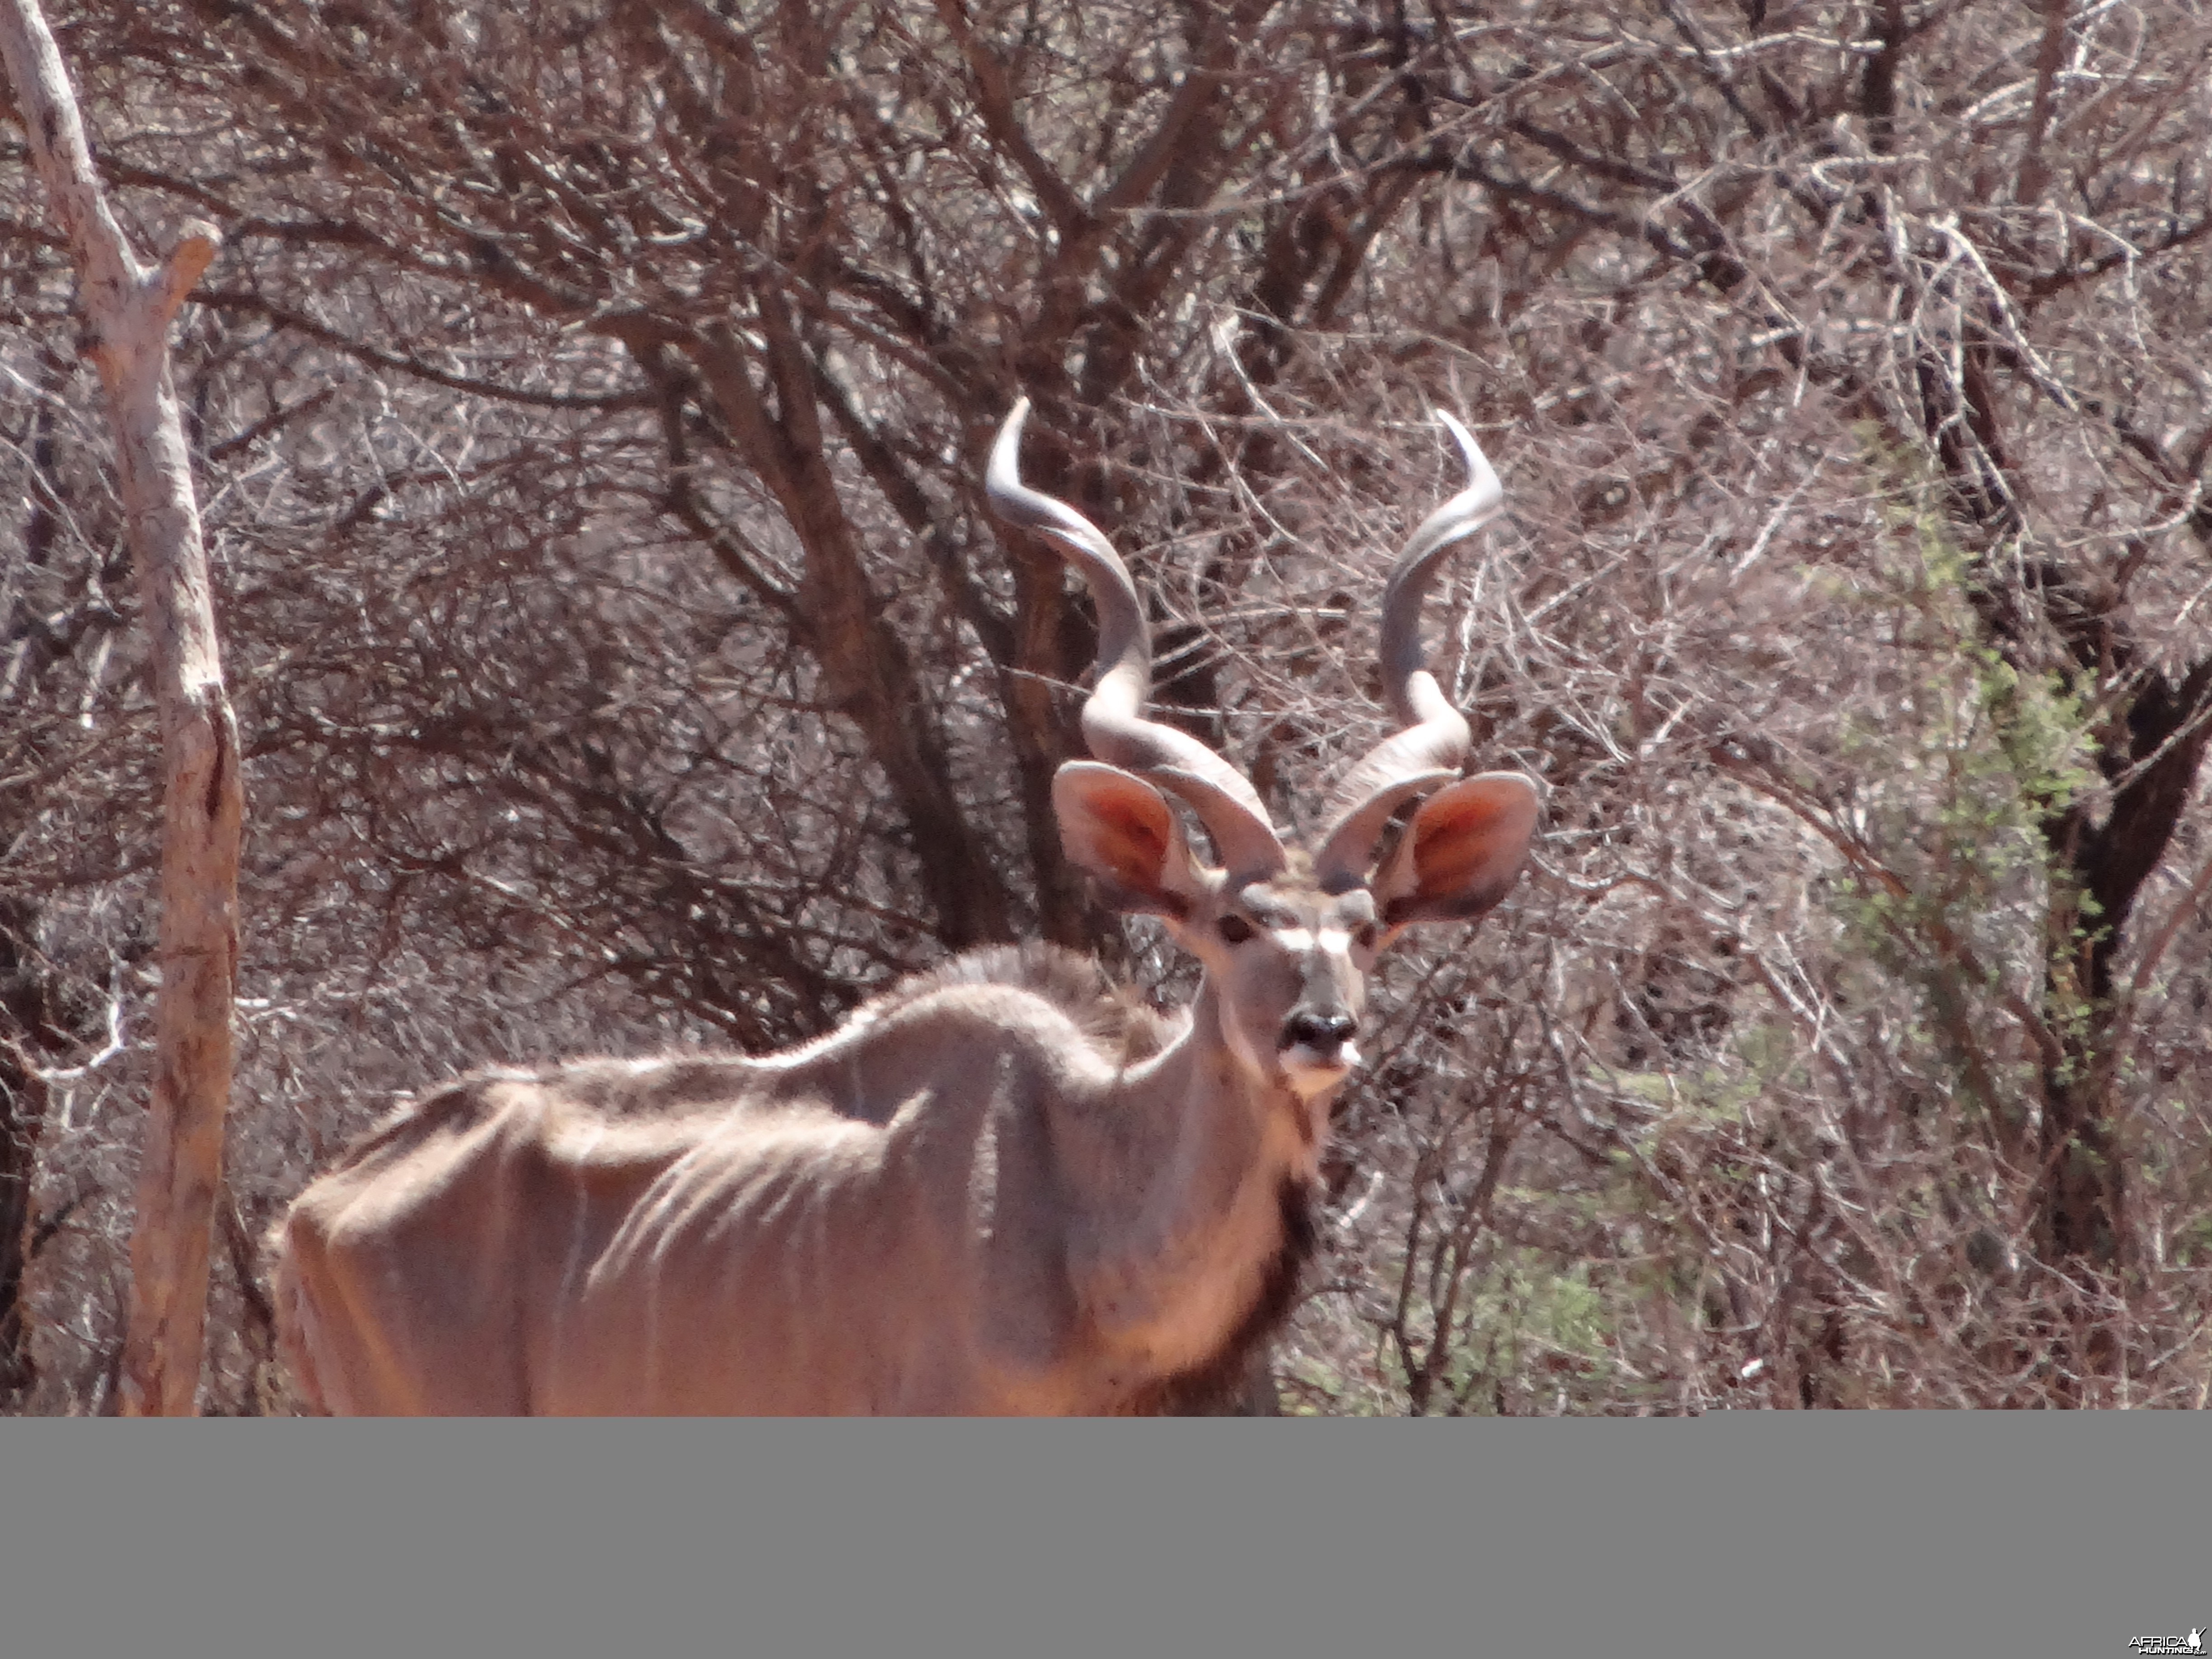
x=1122, y=831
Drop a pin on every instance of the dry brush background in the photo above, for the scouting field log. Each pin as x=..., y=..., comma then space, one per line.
x=589, y=406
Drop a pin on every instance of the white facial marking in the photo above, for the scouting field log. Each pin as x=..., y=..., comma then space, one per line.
x=1307, y=1078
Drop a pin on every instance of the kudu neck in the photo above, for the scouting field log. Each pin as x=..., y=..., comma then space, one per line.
x=1200, y=1117
x=1180, y=1174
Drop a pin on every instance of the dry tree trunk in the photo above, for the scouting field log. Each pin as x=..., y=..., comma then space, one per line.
x=127, y=308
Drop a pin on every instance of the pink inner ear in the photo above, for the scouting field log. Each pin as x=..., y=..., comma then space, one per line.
x=1136, y=843
x=1462, y=851
x=1457, y=843
x=1123, y=832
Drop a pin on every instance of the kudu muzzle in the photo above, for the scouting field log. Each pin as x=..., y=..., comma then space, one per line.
x=1321, y=1025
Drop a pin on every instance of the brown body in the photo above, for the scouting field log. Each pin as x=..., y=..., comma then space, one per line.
x=969, y=1199
x=995, y=1190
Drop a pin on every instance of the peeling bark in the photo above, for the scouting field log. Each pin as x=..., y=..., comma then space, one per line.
x=127, y=307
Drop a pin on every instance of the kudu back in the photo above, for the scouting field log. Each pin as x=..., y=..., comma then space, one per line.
x=1002, y=1189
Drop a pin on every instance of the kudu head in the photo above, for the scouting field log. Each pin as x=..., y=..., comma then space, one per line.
x=1287, y=939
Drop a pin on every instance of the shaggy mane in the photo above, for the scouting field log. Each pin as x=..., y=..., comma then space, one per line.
x=1113, y=1020
x=1214, y=1387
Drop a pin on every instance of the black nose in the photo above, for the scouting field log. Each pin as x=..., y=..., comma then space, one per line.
x=1322, y=1033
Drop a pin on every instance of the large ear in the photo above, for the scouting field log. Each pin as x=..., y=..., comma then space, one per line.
x=1122, y=831
x=1462, y=853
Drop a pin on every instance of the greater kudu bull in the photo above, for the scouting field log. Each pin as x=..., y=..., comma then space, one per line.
x=995, y=1189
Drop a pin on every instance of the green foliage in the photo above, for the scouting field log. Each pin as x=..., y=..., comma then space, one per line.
x=1526, y=1319
x=1963, y=774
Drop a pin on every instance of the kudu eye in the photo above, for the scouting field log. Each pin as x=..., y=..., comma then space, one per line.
x=1235, y=929
x=1365, y=934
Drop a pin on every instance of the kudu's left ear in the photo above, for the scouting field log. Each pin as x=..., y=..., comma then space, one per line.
x=1462, y=853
